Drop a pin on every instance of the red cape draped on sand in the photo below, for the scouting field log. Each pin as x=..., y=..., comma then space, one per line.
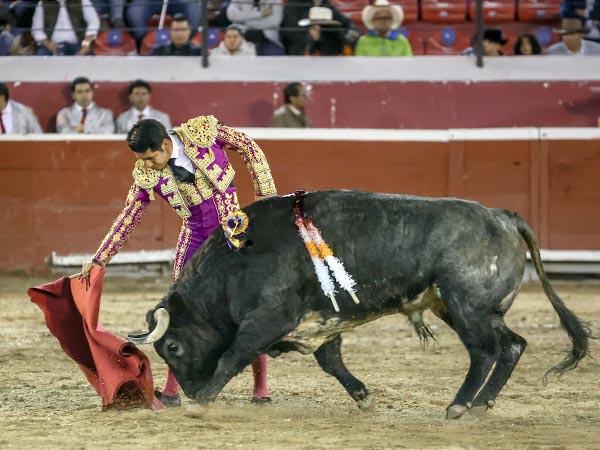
x=117, y=370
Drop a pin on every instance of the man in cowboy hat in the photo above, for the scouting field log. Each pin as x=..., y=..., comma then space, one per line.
x=383, y=37
x=325, y=36
x=572, y=32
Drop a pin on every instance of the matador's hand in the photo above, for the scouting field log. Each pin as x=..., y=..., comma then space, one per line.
x=262, y=197
x=85, y=272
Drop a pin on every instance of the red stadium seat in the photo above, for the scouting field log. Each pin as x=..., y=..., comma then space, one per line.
x=509, y=47
x=153, y=39
x=539, y=11
x=214, y=37
x=449, y=11
x=416, y=40
x=114, y=43
x=494, y=11
x=447, y=41
x=411, y=10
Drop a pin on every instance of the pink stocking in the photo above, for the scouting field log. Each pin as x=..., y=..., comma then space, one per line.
x=259, y=370
x=171, y=386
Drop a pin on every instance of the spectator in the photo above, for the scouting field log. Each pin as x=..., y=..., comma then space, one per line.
x=15, y=117
x=180, y=45
x=61, y=29
x=492, y=43
x=234, y=44
x=139, y=97
x=292, y=114
x=84, y=116
x=259, y=20
x=139, y=11
x=527, y=45
x=383, y=38
x=294, y=39
x=586, y=11
x=6, y=33
x=572, y=32
x=325, y=36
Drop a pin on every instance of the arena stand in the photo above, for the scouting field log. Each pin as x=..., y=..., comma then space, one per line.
x=432, y=126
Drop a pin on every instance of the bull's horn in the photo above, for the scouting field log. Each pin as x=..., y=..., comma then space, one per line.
x=161, y=315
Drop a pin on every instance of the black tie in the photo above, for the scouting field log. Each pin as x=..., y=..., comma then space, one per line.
x=180, y=173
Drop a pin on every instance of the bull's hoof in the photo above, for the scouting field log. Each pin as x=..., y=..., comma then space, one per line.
x=367, y=404
x=195, y=411
x=169, y=401
x=479, y=410
x=456, y=411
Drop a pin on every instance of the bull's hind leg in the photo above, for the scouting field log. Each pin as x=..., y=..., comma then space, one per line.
x=512, y=347
x=329, y=357
x=474, y=328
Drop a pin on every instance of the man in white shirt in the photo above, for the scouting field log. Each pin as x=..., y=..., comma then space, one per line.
x=15, y=117
x=64, y=28
x=84, y=116
x=140, y=97
x=573, y=44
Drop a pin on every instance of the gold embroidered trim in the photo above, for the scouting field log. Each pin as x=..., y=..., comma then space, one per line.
x=201, y=130
x=176, y=200
x=183, y=243
x=145, y=177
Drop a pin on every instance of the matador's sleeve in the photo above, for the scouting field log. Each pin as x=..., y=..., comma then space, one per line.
x=255, y=160
x=137, y=201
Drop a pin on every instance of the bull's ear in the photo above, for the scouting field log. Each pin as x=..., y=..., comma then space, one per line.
x=176, y=304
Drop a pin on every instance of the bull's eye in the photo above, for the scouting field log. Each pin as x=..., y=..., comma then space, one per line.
x=173, y=347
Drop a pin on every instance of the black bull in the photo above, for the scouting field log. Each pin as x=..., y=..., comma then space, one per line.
x=457, y=258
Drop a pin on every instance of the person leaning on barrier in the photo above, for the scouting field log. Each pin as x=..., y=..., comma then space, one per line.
x=139, y=94
x=291, y=114
x=188, y=167
x=15, y=117
x=84, y=116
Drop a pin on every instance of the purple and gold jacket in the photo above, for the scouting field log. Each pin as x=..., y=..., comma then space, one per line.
x=205, y=140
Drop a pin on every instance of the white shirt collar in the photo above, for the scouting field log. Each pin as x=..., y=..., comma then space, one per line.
x=294, y=109
x=80, y=108
x=135, y=112
x=181, y=159
x=7, y=109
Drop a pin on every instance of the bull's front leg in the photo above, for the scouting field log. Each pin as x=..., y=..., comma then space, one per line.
x=253, y=338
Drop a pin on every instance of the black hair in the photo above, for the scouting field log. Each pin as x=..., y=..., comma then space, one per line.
x=536, y=48
x=79, y=80
x=146, y=134
x=234, y=27
x=137, y=84
x=4, y=91
x=179, y=18
x=291, y=90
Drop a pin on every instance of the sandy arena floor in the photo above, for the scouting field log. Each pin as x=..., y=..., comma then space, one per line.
x=45, y=401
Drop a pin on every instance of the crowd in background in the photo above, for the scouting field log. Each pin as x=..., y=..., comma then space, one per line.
x=251, y=27
x=84, y=116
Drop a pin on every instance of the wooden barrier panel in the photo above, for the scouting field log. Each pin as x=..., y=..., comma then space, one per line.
x=61, y=195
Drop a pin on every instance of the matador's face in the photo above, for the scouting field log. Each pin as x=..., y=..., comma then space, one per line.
x=157, y=159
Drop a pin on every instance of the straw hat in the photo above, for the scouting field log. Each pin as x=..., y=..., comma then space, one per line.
x=318, y=15
x=369, y=11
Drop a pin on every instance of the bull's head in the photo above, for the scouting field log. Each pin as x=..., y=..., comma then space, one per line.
x=187, y=341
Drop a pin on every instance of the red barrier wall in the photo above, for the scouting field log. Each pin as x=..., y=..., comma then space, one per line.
x=63, y=195
x=395, y=105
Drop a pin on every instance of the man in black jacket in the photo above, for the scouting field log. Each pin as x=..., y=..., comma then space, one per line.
x=180, y=44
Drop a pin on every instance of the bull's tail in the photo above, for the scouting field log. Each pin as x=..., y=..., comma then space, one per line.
x=579, y=332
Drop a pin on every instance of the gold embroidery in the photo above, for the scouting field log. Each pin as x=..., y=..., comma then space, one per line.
x=176, y=199
x=253, y=157
x=202, y=130
x=145, y=177
x=190, y=194
x=183, y=242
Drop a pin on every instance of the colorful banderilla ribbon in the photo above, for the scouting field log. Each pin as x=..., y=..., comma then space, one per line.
x=320, y=253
